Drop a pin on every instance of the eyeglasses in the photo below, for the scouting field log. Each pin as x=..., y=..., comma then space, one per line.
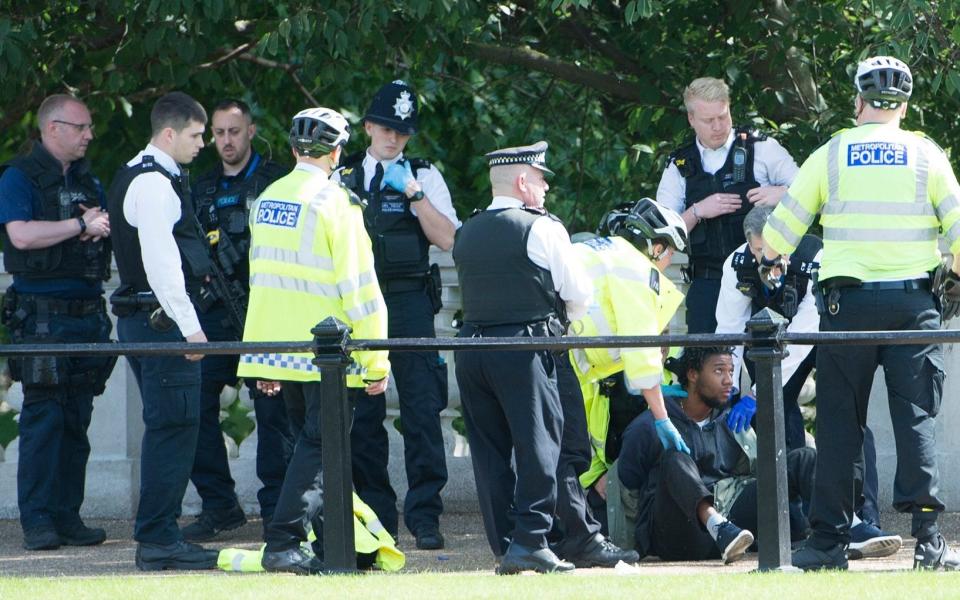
x=80, y=127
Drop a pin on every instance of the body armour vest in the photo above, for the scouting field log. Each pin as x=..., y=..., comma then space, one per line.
x=499, y=283
x=712, y=241
x=786, y=298
x=194, y=259
x=223, y=206
x=400, y=248
x=59, y=199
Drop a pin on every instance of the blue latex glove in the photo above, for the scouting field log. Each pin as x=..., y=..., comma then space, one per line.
x=397, y=176
x=669, y=436
x=740, y=415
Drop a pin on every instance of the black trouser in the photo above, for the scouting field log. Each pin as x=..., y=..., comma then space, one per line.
x=211, y=470
x=511, y=407
x=701, y=305
x=421, y=380
x=301, y=496
x=914, y=378
x=575, y=523
x=677, y=531
x=53, y=423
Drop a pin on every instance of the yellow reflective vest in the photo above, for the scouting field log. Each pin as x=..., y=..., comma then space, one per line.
x=310, y=258
x=631, y=297
x=883, y=195
x=369, y=537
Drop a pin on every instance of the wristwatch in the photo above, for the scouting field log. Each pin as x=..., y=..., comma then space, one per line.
x=83, y=225
x=417, y=196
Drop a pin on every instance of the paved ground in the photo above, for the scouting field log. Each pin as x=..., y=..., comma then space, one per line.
x=466, y=551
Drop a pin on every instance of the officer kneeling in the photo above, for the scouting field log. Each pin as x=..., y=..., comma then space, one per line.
x=310, y=259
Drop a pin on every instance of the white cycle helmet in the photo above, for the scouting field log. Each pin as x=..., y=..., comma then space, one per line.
x=645, y=222
x=884, y=81
x=317, y=131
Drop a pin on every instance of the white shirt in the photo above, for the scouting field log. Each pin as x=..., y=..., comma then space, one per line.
x=549, y=247
x=734, y=310
x=153, y=207
x=772, y=165
x=434, y=187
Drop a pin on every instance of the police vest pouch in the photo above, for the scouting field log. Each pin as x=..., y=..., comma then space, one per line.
x=435, y=288
x=400, y=253
x=40, y=370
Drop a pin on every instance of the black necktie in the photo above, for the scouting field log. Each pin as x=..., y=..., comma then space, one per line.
x=375, y=183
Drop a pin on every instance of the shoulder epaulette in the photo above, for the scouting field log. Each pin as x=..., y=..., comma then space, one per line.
x=354, y=198
x=419, y=163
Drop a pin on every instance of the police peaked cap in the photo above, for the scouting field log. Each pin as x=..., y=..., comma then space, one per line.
x=394, y=106
x=534, y=155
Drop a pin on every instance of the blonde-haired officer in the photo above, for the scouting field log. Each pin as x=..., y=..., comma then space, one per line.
x=310, y=258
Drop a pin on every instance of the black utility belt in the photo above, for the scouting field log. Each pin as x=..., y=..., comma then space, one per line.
x=59, y=306
x=904, y=285
x=702, y=271
x=411, y=283
x=130, y=304
x=551, y=327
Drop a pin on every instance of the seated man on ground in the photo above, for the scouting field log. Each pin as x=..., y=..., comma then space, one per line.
x=701, y=505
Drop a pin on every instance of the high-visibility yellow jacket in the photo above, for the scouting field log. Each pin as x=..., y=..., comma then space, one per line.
x=310, y=258
x=883, y=193
x=631, y=297
x=369, y=537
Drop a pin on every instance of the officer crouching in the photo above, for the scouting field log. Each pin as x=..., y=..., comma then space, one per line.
x=519, y=277
x=55, y=241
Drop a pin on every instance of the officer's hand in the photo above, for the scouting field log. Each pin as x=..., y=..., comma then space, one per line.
x=772, y=271
x=600, y=486
x=398, y=176
x=377, y=387
x=270, y=388
x=741, y=414
x=669, y=436
x=98, y=223
x=768, y=195
x=196, y=338
x=718, y=204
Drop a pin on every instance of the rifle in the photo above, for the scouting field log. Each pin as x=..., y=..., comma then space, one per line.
x=220, y=286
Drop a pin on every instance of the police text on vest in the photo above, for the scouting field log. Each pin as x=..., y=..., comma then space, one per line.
x=281, y=214
x=876, y=154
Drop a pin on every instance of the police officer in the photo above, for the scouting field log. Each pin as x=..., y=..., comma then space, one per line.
x=55, y=242
x=883, y=193
x=741, y=295
x=713, y=181
x=636, y=243
x=408, y=209
x=162, y=262
x=519, y=277
x=310, y=259
x=223, y=196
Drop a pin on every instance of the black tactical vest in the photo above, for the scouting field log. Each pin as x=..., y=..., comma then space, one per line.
x=499, y=283
x=60, y=198
x=712, y=241
x=400, y=248
x=223, y=206
x=786, y=299
x=194, y=259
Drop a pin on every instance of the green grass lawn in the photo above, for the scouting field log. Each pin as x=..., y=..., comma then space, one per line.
x=840, y=586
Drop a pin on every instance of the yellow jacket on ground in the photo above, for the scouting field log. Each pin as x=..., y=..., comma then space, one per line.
x=631, y=297
x=310, y=258
x=883, y=193
x=369, y=537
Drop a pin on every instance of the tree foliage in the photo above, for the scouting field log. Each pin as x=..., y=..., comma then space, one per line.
x=601, y=81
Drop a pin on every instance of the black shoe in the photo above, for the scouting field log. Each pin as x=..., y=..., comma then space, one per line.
x=601, y=552
x=429, y=539
x=41, y=538
x=809, y=558
x=294, y=561
x=869, y=541
x=210, y=523
x=542, y=560
x=178, y=556
x=732, y=542
x=81, y=535
x=935, y=554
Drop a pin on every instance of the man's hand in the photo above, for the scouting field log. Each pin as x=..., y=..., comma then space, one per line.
x=270, y=388
x=768, y=195
x=98, y=223
x=772, y=271
x=738, y=420
x=399, y=176
x=197, y=338
x=669, y=436
x=717, y=204
x=600, y=486
x=377, y=387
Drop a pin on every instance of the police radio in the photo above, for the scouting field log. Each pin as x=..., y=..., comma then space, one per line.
x=740, y=159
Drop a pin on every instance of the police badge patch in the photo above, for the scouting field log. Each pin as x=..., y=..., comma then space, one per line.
x=281, y=214
x=403, y=107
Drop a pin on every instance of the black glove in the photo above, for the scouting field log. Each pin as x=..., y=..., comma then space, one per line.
x=946, y=286
x=772, y=271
